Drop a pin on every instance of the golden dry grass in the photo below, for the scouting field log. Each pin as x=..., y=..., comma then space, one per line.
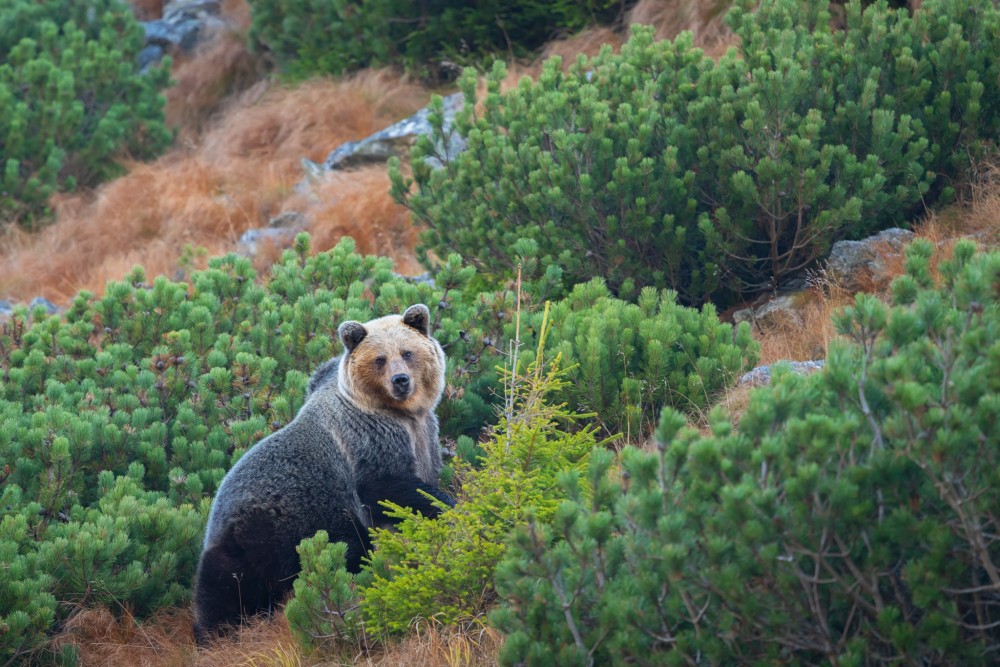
x=235, y=177
x=236, y=13
x=206, y=78
x=704, y=18
x=103, y=639
x=357, y=204
x=809, y=337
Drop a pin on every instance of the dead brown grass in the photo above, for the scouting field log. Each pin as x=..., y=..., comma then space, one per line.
x=441, y=646
x=808, y=338
x=358, y=204
x=103, y=639
x=237, y=14
x=220, y=67
x=237, y=176
x=704, y=18
x=978, y=218
x=205, y=79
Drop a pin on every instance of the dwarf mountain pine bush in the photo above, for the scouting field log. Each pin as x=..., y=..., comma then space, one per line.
x=626, y=361
x=119, y=419
x=657, y=166
x=72, y=101
x=850, y=517
x=427, y=38
x=324, y=612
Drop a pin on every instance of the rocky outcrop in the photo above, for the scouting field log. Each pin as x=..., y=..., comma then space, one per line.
x=280, y=231
x=183, y=25
x=41, y=301
x=856, y=263
x=7, y=307
x=779, y=310
x=761, y=375
x=396, y=140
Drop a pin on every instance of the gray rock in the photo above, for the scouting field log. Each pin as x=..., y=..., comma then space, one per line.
x=149, y=56
x=761, y=375
x=49, y=307
x=281, y=230
x=6, y=307
x=778, y=310
x=313, y=171
x=184, y=24
x=397, y=139
x=853, y=261
x=180, y=33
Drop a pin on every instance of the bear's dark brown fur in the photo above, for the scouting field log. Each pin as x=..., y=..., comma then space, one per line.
x=367, y=433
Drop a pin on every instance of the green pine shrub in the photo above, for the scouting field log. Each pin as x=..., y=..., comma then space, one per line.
x=324, y=610
x=427, y=38
x=849, y=518
x=72, y=102
x=626, y=361
x=119, y=418
x=658, y=167
x=442, y=569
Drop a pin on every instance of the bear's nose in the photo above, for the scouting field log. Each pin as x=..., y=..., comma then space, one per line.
x=401, y=381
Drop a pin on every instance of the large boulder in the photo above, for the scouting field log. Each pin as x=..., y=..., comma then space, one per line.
x=856, y=264
x=781, y=310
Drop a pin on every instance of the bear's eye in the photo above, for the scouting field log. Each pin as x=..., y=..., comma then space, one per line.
x=407, y=355
x=380, y=361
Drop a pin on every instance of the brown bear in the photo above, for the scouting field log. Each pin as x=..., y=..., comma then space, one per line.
x=367, y=433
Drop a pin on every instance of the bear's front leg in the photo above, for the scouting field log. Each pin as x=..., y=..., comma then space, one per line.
x=403, y=491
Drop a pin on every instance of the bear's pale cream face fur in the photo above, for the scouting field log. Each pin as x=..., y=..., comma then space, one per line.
x=390, y=348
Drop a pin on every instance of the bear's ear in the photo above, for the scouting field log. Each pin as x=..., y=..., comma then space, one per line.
x=351, y=334
x=419, y=318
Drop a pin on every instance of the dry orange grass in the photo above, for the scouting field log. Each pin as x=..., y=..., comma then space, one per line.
x=808, y=338
x=357, y=204
x=704, y=18
x=221, y=66
x=205, y=79
x=236, y=13
x=103, y=639
x=235, y=178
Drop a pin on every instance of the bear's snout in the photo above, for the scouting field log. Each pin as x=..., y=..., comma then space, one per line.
x=401, y=385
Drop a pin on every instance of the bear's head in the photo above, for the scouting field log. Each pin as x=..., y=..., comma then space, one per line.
x=392, y=363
